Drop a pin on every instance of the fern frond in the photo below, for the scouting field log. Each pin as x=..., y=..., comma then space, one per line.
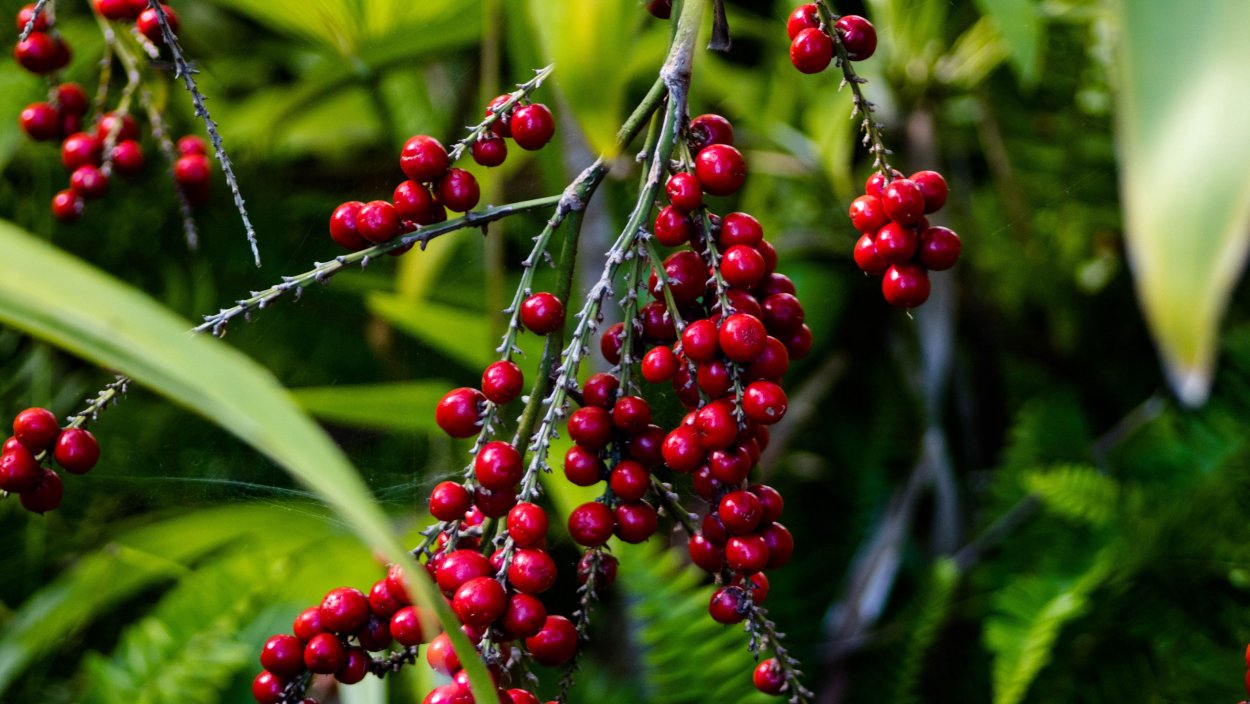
x=1077, y=492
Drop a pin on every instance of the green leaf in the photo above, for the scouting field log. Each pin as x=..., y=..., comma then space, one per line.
x=461, y=335
x=1184, y=149
x=1020, y=24
x=401, y=406
x=97, y=317
x=1076, y=492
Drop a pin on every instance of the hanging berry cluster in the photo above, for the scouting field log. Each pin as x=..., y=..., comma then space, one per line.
x=38, y=438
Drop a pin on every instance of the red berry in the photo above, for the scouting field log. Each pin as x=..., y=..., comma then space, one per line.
x=498, y=466
x=459, y=412
x=68, y=206
x=378, y=221
x=45, y=495
x=859, y=37
x=479, y=601
x=746, y=553
x=542, y=313
x=659, y=365
x=682, y=451
x=600, y=390
x=555, y=644
x=527, y=525
x=720, y=168
x=81, y=149
x=449, y=501
x=501, y=126
x=128, y=158
x=811, y=51
x=710, y=129
x=705, y=485
x=756, y=583
x=740, y=228
x=490, y=151
x=875, y=185
x=742, y=266
x=903, y=201
x=657, y=324
x=459, y=191
x=36, y=429
x=193, y=170
x=770, y=501
x=742, y=337
x=523, y=617
x=705, y=554
x=344, y=610
x=730, y=465
x=150, y=27
x=502, y=382
x=494, y=504
x=700, y=340
x=381, y=602
x=77, y=450
x=441, y=656
x=740, y=512
x=532, y=571
x=768, y=677
x=804, y=17
x=775, y=283
x=24, y=15
x=727, y=605
x=939, y=248
x=933, y=188
x=780, y=544
x=72, y=99
x=355, y=666
x=344, y=226
x=629, y=480
x=590, y=427
x=659, y=9
x=764, y=402
x=453, y=693
x=459, y=566
x=115, y=9
x=283, y=655
x=631, y=414
x=267, y=688
x=672, y=226
x=192, y=144
x=424, y=159
x=772, y=362
x=783, y=313
x=868, y=214
x=532, y=126
x=591, y=524
x=799, y=342
x=40, y=121
x=18, y=469
x=308, y=624
x=39, y=53
x=324, y=654
x=605, y=573
x=687, y=277
x=582, y=466
x=89, y=182
x=896, y=244
x=635, y=522
x=415, y=202
x=905, y=286
x=716, y=425
x=713, y=378
x=684, y=191
x=125, y=126
x=867, y=257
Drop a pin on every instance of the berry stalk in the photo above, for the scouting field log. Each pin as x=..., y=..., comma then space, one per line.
x=35, y=14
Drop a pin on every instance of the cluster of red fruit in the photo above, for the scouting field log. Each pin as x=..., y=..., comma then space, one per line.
x=434, y=186
x=811, y=40
x=147, y=22
x=112, y=144
x=37, y=437
x=897, y=240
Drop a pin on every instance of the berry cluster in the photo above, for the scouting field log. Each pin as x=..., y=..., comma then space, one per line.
x=812, y=43
x=112, y=143
x=37, y=436
x=434, y=186
x=896, y=239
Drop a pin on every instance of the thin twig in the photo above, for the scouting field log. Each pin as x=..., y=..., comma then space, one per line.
x=34, y=17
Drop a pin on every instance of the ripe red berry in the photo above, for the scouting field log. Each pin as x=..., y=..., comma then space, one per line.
x=523, y=616
x=193, y=170
x=600, y=390
x=479, y=601
x=582, y=466
x=68, y=206
x=629, y=480
x=441, y=656
x=769, y=677
x=498, y=466
x=449, y=501
x=905, y=286
x=771, y=502
x=45, y=495
x=764, y=402
x=381, y=602
x=939, y=248
x=709, y=129
x=705, y=554
x=591, y=524
x=811, y=50
x=684, y=191
x=742, y=266
x=344, y=610
x=605, y=573
x=532, y=126
x=532, y=571
x=527, y=525
x=700, y=340
x=740, y=512
x=490, y=151
x=344, y=226
x=267, y=688
x=355, y=666
x=39, y=53
x=659, y=9
x=149, y=25
x=682, y=451
x=746, y=553
x=726, y=605
x=721, y=169
x=780, y=544
x=542, y=313
x=875, y=185
x=933, y=188
x=459, y=412
x=24, y=15
x=324, y=654
x=716, y=425
x=36, y=429
x=868, y=214
x=192, y=144
x=81, y=149
x=18, y=469
x=772, y=362
x=407, y=627
x=590, y=427
x=859, y=37
x=424, y=159
x=867, y=257
x=128, y=158
x=459, y=191
x=494, y=504
x=459, y=566
x=687, y=277
x=783, y=313
x=730, y=465
x=124, y=125
x=40, y=121
x=115, y=9
x=502, y=382
x=659, y=365
x=713, y=379
x=377, y=221
x=555, y=644
x=740, y=228
x=89, y=182
x=672, y=226
x=896, y=244
x=903, y=201
x=804, y=17
x=283, y=655
x=757, y=584
x=742, y=337
x=77, y=450
x=631, y=414
x=635, y=522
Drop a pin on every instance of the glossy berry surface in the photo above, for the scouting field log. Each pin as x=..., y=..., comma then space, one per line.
x=721, y=169
x=555, y=644
x=684, y=191
x=324, y=654
x=18, y=469
x=858, y=35
x=868, y=214
x=377, y=221
x=708, y=129
x=40, y=121
x=76, y=451
x=591, y=524
x=81, y=149
x=769, y=677
x=459, y=412
x=149, y=25
x=502, y=382
x=939, y=248
x=449, y=501
x=498, y=466
x=805, y=16
x=89, y=182
x=933, y=187
x=896, y=244
x=542, y=313
x=903, y=201
x=128, y=159
x=811, y=50
x=459, y=191
x=345, y=226
x=36, y=429
x=424, y=159
x=283, y=655
x=672, y=226
x=45, y=495
x=492, y=151
x=532, y=126
x=479, y=601
x=905, y=286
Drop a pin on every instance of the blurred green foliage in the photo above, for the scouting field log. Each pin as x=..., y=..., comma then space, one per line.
x=1078, y=537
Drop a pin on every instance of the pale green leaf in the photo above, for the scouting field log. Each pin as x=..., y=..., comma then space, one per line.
x=400, y=406
x=1076, y=492
x=1020, y=24
x=461, y=335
